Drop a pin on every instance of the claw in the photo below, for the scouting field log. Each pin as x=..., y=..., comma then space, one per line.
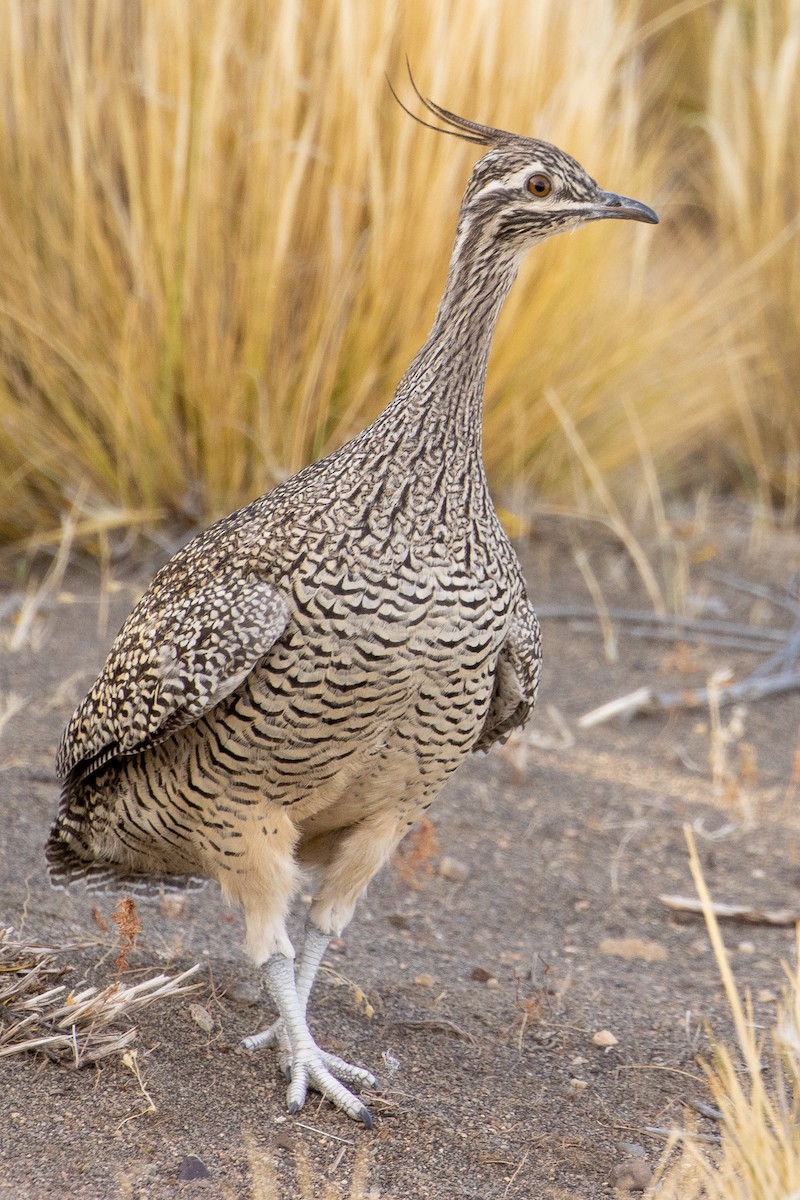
x=367, y=1117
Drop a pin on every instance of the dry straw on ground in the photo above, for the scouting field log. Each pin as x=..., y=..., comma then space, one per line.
x=221, y=242
x=74, y=1027
x=266, y=1185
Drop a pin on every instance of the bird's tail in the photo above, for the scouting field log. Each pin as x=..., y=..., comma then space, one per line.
x=71, y=857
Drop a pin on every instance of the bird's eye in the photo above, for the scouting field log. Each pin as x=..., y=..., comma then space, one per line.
x=540, y=185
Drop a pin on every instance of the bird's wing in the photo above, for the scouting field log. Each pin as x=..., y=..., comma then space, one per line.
x=516, y=679
x=189, y=642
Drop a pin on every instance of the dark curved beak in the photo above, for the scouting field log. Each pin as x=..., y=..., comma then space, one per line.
x=621, y=208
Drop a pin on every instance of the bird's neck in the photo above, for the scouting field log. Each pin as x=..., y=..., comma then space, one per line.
x=421, y=463
x=416, y=473
x=439, y=401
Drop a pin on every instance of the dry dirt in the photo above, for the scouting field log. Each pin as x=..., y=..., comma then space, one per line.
x=487, y=992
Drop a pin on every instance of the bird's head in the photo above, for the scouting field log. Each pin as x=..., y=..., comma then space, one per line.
x=524, y=190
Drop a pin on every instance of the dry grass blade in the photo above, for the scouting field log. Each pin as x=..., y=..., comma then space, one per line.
x=759, y=1149
x=76, y=1027
x=266, y=1184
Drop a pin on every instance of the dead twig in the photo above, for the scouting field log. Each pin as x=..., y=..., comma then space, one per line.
x=441, y=1026
x=734, y=912
x=677, y=626
x=788, y=601
x=647, y=700
x=686, y=1135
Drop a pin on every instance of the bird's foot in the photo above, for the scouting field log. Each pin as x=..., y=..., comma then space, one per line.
x=304, y=1064
x=275, y=1038
x=316, y=1069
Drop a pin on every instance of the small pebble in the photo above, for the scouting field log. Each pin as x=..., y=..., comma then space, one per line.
x=424, y=980
x=604, y=1037
x=193, y=1167
x=172, y=904
x=633, y=1149
x=632, y=1175
x=453, y=869
x=244, y=991
x=202, y=1017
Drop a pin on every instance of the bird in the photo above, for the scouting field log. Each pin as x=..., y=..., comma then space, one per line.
x=300, y=679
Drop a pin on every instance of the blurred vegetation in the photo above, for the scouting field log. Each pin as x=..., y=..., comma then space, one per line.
x=755, y=1086
x=221, y=242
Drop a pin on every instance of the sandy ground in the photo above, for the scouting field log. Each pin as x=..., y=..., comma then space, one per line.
x=487, y=992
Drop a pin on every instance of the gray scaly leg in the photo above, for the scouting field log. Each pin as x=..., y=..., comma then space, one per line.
x=314, y=947
x=309, y=1063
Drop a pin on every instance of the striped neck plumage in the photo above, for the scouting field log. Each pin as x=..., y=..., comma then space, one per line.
x=441, y=394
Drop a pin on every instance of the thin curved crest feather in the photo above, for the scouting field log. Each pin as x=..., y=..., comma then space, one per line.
x=460, y=127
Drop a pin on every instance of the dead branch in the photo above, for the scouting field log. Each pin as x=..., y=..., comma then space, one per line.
x=734, y=912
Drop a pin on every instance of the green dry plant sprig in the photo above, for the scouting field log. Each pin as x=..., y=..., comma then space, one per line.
x=759, y=1153
x=360, y=998
x=130, y=1059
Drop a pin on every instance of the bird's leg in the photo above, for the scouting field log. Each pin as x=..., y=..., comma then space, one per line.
x=314, y=946
x=310, y=1066
x=354, y=859
x=279, y=1035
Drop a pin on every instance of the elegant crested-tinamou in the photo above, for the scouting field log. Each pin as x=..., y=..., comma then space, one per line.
x=299, y=680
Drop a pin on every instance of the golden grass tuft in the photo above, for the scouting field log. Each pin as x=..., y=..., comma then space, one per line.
x=756, y=1088
x=221, y=242
x=753, y=197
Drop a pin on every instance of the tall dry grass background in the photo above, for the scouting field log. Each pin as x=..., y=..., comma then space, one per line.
x=221, y=241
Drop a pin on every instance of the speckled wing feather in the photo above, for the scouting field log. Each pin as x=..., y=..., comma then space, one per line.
x=187, y=644
x=516, y=680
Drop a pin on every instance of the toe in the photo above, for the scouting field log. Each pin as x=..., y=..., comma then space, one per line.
x=298, y=1087
x=348, y=1073
x=324, y=1082
x=267, y=1038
